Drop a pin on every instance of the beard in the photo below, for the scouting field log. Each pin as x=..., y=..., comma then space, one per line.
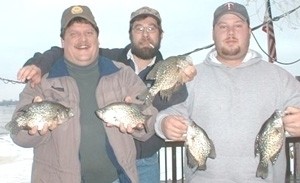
x=144, y=53
x=230, y=51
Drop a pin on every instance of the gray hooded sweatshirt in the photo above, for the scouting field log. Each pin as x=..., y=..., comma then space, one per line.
x=231, y=104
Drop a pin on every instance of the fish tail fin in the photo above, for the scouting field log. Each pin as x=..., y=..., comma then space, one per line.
x=194, y=170
x=12, y=127
x=142, y=96
x=146, y=97
x=145, y=125
x=201, y=167
x=262, y=170
x=8, y=126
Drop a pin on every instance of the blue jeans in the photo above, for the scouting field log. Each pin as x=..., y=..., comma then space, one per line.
x=148, y=170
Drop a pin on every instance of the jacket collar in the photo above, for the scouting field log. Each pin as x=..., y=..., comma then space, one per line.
x=106, y=67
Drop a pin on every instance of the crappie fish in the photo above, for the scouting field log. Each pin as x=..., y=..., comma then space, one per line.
x=38, y=114
x=121, y=112
x=198, y=147
x=168, y=75
x=268, y=143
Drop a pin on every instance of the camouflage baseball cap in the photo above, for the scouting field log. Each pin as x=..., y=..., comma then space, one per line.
x=145, y=11
x=231, y=8
x=77, y=11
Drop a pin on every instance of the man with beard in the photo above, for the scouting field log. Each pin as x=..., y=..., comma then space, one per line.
x=141, y=54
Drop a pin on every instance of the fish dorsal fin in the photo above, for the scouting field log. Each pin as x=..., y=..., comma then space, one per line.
x=152, y=74
x=212, y=153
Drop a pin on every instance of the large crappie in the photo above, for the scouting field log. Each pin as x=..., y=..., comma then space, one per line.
x=38, y=114
x=268, y=143
x=168, y=75
x=121, y=112
x=198, y=147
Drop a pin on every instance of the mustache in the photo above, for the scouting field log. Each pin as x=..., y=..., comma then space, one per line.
x=231, y=39
x=148, y=42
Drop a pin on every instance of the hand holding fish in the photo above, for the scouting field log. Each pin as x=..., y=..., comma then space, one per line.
x=40, y=116
x=128, y=129
x=47, y=127
x=291, y=121
x=189, y=73
x=174, y=127
x=31, y=73
x=122, y=126
x=129, y=99
x=125, y=115
x=168, y=76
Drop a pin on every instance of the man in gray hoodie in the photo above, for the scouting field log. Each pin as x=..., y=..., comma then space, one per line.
x=233, y=94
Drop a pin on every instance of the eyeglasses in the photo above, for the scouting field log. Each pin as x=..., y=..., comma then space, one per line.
x=140, y=29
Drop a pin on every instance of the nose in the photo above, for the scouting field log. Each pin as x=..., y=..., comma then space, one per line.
x=83, y=37
x=230, y=31
x=145, y=33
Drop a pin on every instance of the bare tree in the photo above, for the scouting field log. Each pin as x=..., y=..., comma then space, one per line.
x=278, y=7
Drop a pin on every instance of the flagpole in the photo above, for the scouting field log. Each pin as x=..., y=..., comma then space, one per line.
x=268, y=5
x=271, y=35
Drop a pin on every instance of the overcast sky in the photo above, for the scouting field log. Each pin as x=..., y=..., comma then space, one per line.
x=29, y=26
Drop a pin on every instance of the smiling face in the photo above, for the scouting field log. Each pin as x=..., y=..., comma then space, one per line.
x=231, y=35
x=80, y=43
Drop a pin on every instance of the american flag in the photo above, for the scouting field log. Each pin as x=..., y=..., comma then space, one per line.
x=268, y=28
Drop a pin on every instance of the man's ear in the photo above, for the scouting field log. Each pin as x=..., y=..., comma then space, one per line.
x=62, y=43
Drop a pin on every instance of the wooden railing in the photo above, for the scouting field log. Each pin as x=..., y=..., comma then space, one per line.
x=169, y=165
x=292, y=148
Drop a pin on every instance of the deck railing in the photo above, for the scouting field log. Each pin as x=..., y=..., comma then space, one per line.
x=292, y=148
x=171, y=158
x=172, y=161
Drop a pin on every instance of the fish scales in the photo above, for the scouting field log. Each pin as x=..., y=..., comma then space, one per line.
x=269, y=142
x=168, y=75
x=198, y=147
x=121, y=112
x=38, y=114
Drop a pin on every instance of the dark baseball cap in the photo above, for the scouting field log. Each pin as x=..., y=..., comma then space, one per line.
x=146, y=11
x=231, y=8
x=77, y=11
